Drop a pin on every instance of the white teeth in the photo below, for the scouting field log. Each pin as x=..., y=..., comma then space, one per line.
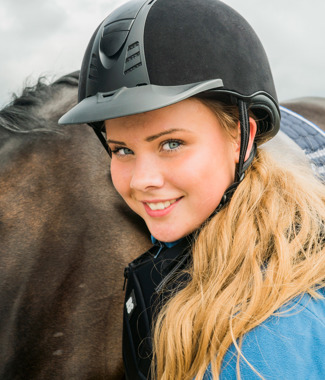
x=160, y=205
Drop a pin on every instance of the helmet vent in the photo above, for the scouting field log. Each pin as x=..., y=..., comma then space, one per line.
x=93, y=72
x=133, y=58
x=134, y=45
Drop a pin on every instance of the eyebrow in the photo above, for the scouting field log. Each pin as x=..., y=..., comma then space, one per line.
x=109, y=141
x=150, y=138
x=154, y=137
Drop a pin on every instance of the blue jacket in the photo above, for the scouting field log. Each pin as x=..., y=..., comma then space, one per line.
x=286, y=347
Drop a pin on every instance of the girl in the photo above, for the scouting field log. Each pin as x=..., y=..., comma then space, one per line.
x=234, y=284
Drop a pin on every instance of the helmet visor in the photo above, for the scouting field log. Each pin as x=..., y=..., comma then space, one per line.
x=129, y=101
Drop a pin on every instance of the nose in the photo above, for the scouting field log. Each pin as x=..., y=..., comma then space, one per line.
x=147, y=174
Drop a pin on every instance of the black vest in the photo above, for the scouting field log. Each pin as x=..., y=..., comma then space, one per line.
x=150, y=279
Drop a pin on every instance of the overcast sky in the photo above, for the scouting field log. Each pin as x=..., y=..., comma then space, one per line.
x=49, y=37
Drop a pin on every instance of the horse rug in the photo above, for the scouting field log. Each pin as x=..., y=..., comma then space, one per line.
x=308, y=136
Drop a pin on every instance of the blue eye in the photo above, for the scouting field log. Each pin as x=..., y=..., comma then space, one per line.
x=122, y=151
x=171, y=145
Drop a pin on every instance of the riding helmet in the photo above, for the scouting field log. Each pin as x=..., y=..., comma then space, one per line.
x=148, y=54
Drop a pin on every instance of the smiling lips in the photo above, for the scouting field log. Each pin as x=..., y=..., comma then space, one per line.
x=160, y=208
x=160, y=205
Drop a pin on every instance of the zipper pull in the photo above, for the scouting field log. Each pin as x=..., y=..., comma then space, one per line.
x=126, y=276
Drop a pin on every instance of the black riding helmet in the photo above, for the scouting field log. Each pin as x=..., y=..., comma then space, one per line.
x=150, y=54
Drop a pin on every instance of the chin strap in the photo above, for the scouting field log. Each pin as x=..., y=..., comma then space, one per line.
x=244, y=139
x=102, y=140
x=242, y=165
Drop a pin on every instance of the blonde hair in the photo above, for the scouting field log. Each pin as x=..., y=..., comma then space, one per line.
x=261, y=250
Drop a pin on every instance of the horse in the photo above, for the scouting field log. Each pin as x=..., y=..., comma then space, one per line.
x=66, y=236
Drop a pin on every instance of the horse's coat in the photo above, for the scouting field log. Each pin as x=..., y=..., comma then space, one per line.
x=66, y=237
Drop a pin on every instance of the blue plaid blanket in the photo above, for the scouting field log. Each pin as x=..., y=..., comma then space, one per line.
x=308, y=136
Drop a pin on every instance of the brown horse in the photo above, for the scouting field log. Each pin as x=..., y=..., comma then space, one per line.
x=66, y=237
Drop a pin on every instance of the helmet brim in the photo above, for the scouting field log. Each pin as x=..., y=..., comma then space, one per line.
x=129, y=101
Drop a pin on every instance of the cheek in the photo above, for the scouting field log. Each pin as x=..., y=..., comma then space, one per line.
x=198, y=167
x=120, y=178
x=214, y=172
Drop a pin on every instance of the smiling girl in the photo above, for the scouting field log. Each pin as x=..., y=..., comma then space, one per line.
x=234, y=284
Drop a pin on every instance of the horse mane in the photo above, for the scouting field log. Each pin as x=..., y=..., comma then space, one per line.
x=39, y=107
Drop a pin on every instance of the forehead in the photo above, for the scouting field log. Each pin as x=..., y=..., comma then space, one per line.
x=188, y=113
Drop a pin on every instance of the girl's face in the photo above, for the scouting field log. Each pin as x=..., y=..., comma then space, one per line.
x=172, y=166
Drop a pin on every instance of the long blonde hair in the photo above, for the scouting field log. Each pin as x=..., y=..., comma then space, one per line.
x=261, y=250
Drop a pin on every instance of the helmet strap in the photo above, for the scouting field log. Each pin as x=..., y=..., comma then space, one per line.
x=244, y=139
x=242, y=165
x=102, y=140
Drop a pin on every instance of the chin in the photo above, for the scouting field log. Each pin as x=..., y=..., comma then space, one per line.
x=168, y=236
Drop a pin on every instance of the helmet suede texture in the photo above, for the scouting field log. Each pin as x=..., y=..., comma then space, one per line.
x=144, y=49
